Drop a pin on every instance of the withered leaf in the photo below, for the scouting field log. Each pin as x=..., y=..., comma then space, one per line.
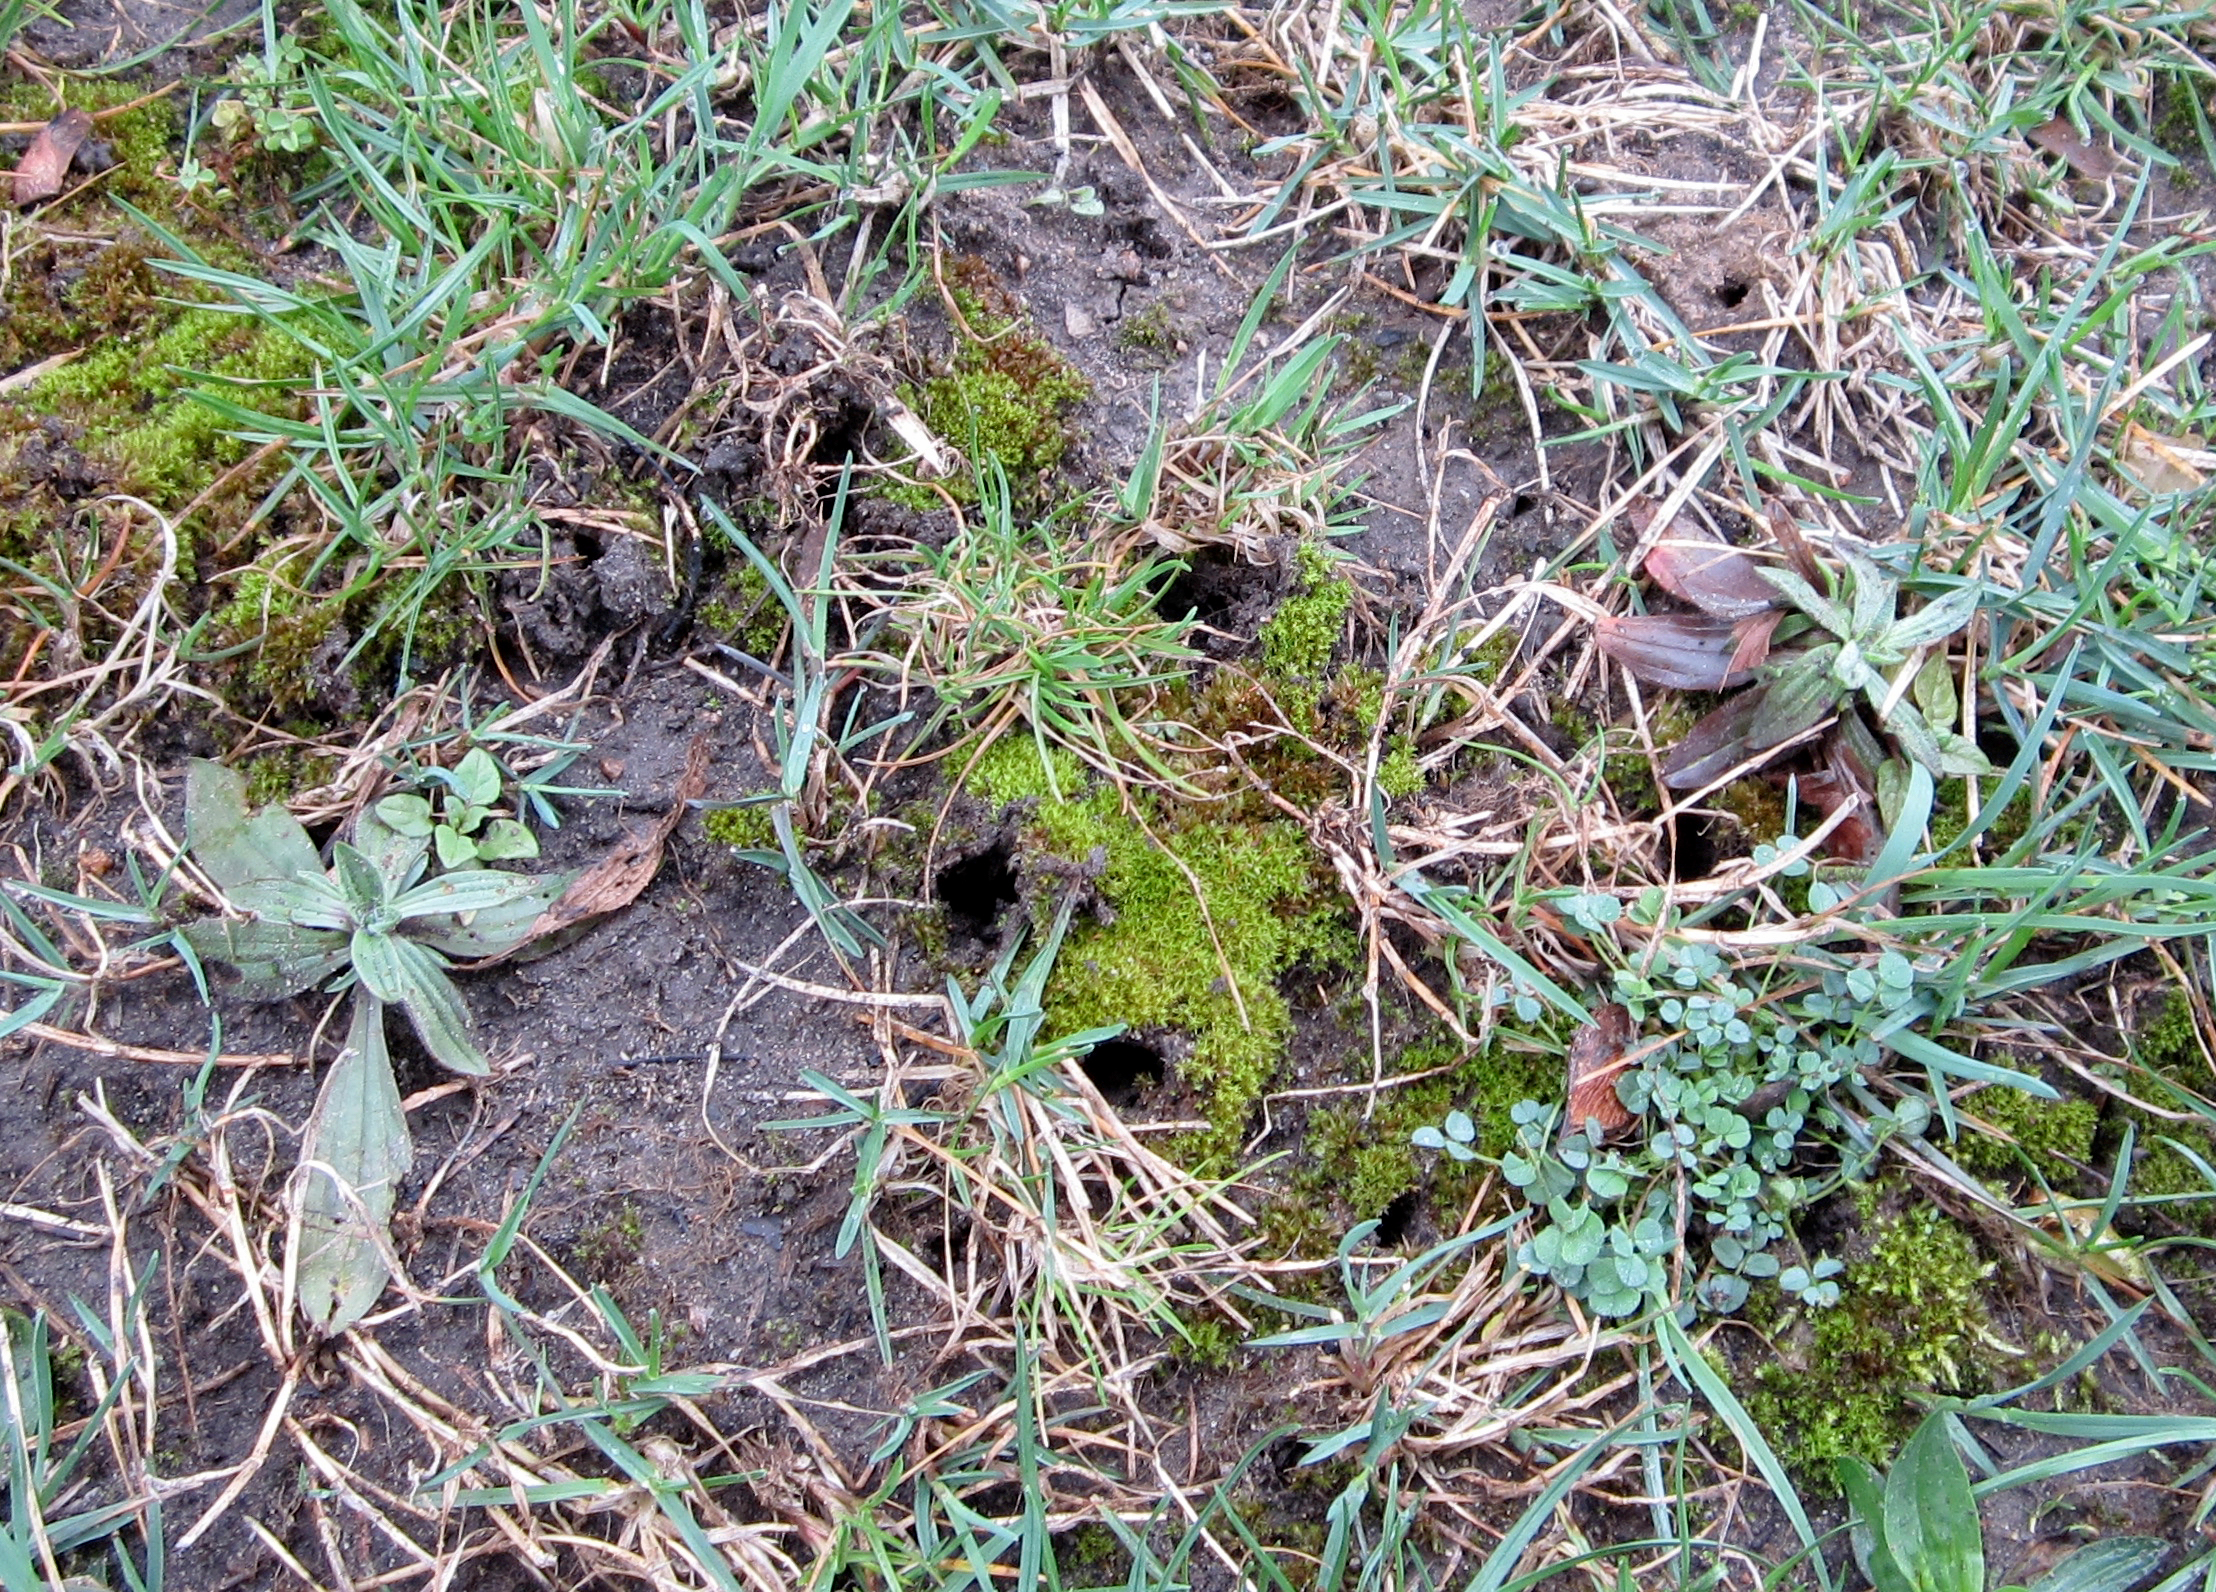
x=1596, y=1061
x=39, y=174
x=615, y=881
x=1692, y=562
x=2058, y=137
x=1692, y=652
x=1786, y=532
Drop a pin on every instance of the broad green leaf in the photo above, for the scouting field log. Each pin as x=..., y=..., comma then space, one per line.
x=467, y=890
x=309, y=902
x=359, y=881
x=1931, y=1524
x=1907, y=726
x=358, y=1150
x=479, y=777
x=1935, y=621
x=406, y=815
x=274, y=960
x=1960, y=756
x=505, y=840
x=377, y=964
x=1934, y=692
x=435, y=1006
x=1876, y=594
x=455, y=851
x=238, y=846
x=2114, y=1564
x=397, y=851
x=494, y=930
x=1867, y=1497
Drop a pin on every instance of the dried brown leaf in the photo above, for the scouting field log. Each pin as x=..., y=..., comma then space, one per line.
x=1692, y=562
x=45, y=164
x=2088, y=159
x=1716, y=743
x=615, y=881
x=1596, y=1061
x=1693, y=652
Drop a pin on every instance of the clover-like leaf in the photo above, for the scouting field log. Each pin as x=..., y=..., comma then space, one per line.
x=407, y=814
x=505, y=840
x=1460, y=1128
x=477, y=777
x=454, y=848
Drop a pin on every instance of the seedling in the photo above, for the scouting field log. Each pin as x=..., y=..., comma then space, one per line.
x=462, y=827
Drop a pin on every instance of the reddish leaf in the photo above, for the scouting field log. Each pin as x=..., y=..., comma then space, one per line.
x=1717, y=743
x=1751, y=647
x=1596, y=1061
x=1690, y=651
x=1786, y=532
x=1841, y=782
x=39, y=174
x=2058, y=137
x=1693, y=562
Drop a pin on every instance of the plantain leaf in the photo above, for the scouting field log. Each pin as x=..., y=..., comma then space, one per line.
x=274, y=960
x=2113, y=1564
x=396, y=850
x=494, y=931
x=435, y=1006
x=464, y=890
x=359, y=881
x=1800, y=695
x=236, y=845
x=357, y=1150
x=309, y=902
x=377, y=963
x=1876, y=594
x=1809, y=601
x=1931, y=1524
x=1864, y=1492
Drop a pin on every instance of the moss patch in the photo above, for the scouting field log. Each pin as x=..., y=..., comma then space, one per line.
x=1012, y=770
x=2052, y=1133
x=1298, y=640
x=1008, y=395
x=1911, y=1319
x=1154, y=965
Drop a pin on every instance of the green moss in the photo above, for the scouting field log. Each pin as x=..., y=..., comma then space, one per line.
x=2169, y=1043
x=1950, y=816
x=1298, y=640
x=1008, y=395
x=747, y=613
x=1149, y=331
x=612, y=1247
x=280, y=776
x=1912, y=1319
x=748, y=828
x=1156, y=965
x=284, y=625
x=2053, y=1133
x=1011, y=770
x=1398, y=774
x=2176, y=128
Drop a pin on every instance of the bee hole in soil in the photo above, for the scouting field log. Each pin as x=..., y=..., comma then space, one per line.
x=1395, y=1220
x=1120, y=1068
x=1731, y=293
x=976, y=889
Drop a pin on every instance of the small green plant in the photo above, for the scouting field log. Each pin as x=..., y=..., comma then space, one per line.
x=462, y=827
x=374, y=920
x=1917, y=1529
x=271, y=105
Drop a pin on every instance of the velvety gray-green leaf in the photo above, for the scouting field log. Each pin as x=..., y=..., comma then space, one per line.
x=309, y=902
x=464, y=890
x=1799, y=697
x=358, y=1138
x=1808, y=600
x=495, y=930
x=380, y=964
x=274, y=960
x=2114, y=1564
x=1931, y=1522
x=435, y=1006
x=236, y=845
x=359, y=881
x=397, y=852
x=1936, y=621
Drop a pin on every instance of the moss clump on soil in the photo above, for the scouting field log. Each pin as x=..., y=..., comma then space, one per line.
x=2166, y=1044
x=1012, y=770
x=1298, y=639
x=1950, y=816
x=133, y=398
x=287, y=628
x=1398, y=774
x=1911, y=1319
x=1009, y=393
x=748, y=828
x=1350, y=1170
x=2052, y=1133
x=746, y=613
x=1149, y=331
x=280, y=776
x=1151, y=963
